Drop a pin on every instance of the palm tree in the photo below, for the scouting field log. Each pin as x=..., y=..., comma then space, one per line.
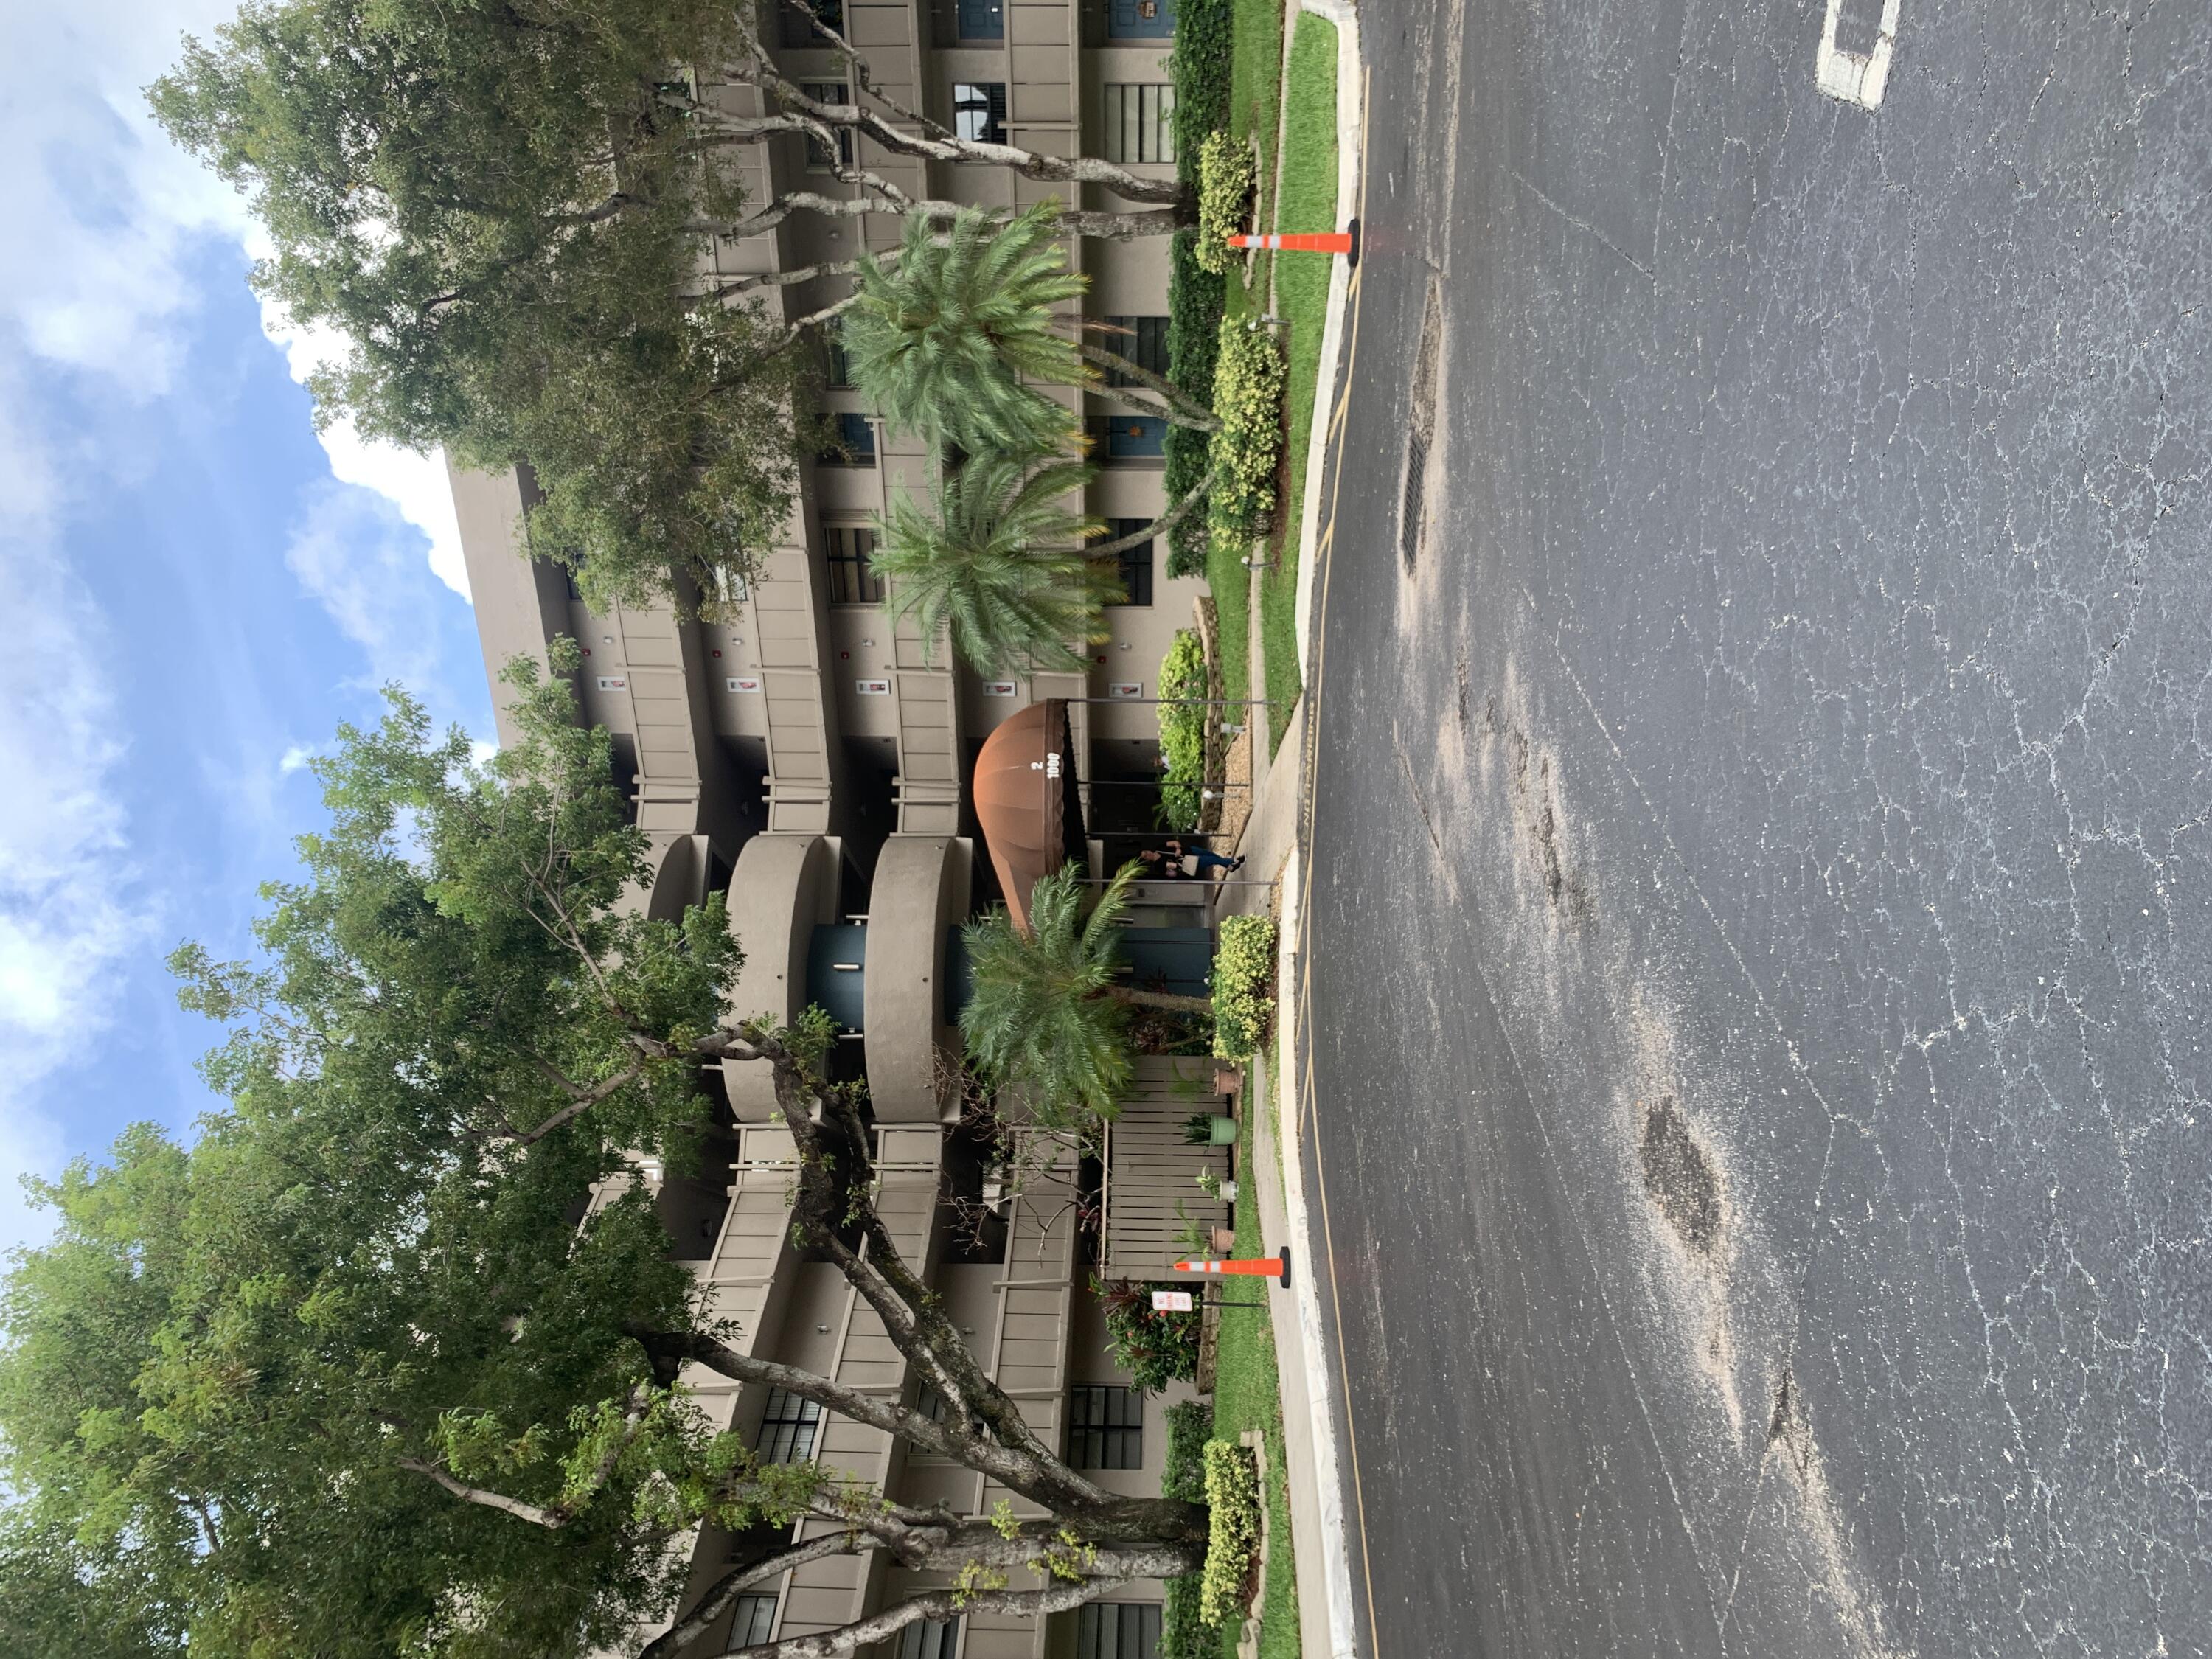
x=1001, y=562
x=941, y=339
x=1046, y=1014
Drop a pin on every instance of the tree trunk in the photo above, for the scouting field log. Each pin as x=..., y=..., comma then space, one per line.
x=1159, y=526
x=1166, y=999
x=1183, y=409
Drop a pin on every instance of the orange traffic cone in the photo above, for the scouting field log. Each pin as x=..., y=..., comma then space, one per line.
x=1276, y=1267
x=1346, y=242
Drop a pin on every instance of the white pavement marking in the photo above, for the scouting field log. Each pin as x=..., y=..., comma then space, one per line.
x=1848, y=75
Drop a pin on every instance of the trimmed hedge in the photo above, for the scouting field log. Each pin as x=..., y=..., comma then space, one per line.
x=1243, y=974
x=1197, y=299
x=1182, y=1471
x=1201, y=62
x=1183, y=1634
x=1204, y=35
x=1233, y=1495
x=1182, y=730
x=1247, y=383
x=1225, y=198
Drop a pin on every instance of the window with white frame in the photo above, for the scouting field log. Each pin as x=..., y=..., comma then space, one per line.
x=1118, y=1630
x=1139, y=121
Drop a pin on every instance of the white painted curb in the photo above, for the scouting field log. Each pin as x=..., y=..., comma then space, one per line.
x=1308, y=1253
x=1351, y=92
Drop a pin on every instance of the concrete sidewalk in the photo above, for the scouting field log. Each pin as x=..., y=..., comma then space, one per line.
x=1272, y=846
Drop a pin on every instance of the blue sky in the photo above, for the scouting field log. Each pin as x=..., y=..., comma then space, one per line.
x=196, y=588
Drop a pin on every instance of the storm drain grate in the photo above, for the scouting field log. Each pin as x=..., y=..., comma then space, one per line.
x=1421, y=428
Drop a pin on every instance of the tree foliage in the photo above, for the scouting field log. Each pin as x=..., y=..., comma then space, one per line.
x=1042, y=1017
x=499, y=207
x=997, y=560
x=392, y=1358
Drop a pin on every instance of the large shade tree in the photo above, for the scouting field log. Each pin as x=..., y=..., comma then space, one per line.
x=349, y=1376
x=502, y=207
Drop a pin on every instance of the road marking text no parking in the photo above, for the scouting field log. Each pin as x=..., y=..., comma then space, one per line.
x=1851, y=66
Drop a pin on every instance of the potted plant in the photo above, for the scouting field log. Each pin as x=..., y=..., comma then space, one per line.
x=1209, y=1129
x=1192, y=1235
x=1214, y=1186
x=1228, y=1078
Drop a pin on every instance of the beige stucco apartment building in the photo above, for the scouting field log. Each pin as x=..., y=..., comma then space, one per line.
x=813, y=762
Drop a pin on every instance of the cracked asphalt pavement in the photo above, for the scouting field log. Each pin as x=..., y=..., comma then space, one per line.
x=1760, y=978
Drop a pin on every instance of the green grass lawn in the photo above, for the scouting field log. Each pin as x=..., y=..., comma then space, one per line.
x=1309, y=202
x=1247, y=1395
x=1307, y=131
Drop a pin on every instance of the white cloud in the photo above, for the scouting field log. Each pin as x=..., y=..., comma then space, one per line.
x=356, y=554
x=295, y=759
x=103, y=212
x=414, y=483
x=71, y=907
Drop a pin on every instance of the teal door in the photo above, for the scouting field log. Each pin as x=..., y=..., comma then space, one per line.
x=837, y=964
x=1135, y=437
x=1173, y=959
x=1139, y=20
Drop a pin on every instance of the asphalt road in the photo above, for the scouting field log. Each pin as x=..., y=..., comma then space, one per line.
x=1760, y=977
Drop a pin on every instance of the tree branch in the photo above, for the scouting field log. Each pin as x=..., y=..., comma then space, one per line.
x=1194, y=414
x=733, y=1584
x=939, y=1604
x=1159, y=526
x=552, y=1519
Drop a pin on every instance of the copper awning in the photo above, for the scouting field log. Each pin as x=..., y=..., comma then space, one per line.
x=1026, y=801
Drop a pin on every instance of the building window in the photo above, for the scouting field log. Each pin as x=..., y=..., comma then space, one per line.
x=981, y=19
x=979, y=111
x=1132, y=566
x=1140, y=121
x=852, y=578
x=1106, y=1428
x=1118, y=1630
x=929, y=1638
x=817, y=158
x=1124, y=438
x=755, y=1621
x=797, y=32
x=787, y=1428
x=1142, y=340
x=838, y=371
x=1139, y=20
x=852, y=443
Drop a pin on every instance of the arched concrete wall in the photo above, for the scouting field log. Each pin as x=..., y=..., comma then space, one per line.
x=681, y=881
x=783, y=886
x=921, y=889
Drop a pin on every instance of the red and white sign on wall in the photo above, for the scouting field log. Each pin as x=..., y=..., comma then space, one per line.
x=999, y=688
x=612, y=683
x=873, y=688
x=745, y=683
x=1126, y=689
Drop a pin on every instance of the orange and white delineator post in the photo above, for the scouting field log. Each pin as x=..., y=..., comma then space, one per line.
x=1276, y=1267
x=1346, y=242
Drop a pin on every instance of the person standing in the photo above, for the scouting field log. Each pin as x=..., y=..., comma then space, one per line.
x=1200, y=861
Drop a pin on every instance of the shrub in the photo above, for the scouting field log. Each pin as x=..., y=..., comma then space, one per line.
x=1205, y=43
x=1183, y=1634
x=1182, y=730
x=1182, y=1472
x=1224, y=197
x=1247, y=388
x=1196, y=299
x=1244, y=971
x=1233, y=1493
x=1155, y=1348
